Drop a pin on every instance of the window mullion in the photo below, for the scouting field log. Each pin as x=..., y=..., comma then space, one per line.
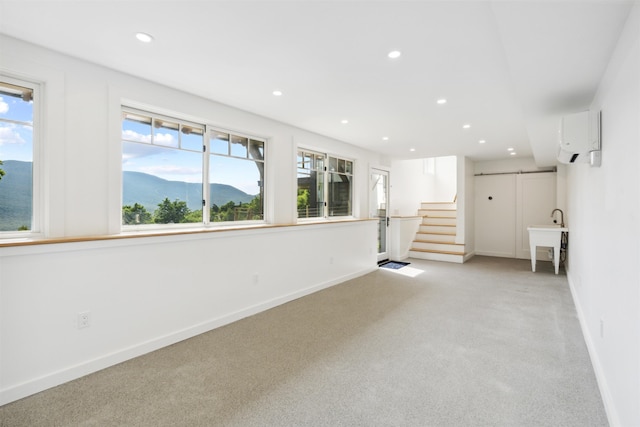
x=206, y=190
x=326, y=186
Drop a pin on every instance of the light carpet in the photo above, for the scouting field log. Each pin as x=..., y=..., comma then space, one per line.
x=485, y=343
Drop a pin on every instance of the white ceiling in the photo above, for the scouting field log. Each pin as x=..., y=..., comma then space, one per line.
x=508, y=68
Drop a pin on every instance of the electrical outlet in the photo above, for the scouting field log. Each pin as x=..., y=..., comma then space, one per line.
x=256, y=278
x=84, y=319
x=601, y=328
x=331, y=260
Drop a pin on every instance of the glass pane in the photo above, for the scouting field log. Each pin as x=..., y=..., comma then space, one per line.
x=341, y=166
x=310, y=203
x=237, y=189
x=136, y=128
x=256, y=150
x=191, y=138
x=165, y=133
x=319, y=162
x=160, y=185
x=16, y=160
x=333, y=164
x=349, y=167
x=239, y=146
x=220, y=143
x=339, y=194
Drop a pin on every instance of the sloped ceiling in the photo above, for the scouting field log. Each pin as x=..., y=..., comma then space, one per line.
x=510, y=69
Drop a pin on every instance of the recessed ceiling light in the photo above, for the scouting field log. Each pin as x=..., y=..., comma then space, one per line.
x=482, y=141
x=144, y=37
x=394, y=54
x=412, y=149
x=510, y=149
x=344, y=121
x=277, y=93
x=441, y=101
x=466, y=126
x=385, y=138
x=513, y=153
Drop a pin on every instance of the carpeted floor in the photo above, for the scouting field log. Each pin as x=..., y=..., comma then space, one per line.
x=486, y=343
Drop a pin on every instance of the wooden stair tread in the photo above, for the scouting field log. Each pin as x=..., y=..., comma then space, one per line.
x=438, y=225
x=435, y=251
x=438, y=233
x=438, y=242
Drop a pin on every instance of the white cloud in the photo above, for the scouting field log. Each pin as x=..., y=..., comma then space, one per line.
x=4, y=107
x=131, y=135
x=165, y=170
x=8, y=135
x=165, y=139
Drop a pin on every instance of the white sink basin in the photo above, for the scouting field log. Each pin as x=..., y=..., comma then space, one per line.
x=548, y=236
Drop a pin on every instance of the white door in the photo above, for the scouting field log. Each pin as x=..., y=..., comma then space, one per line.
x=537, y=198
x=379, y=208
x=495, y=218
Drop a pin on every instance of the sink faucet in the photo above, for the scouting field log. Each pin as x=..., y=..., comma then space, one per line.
x=561, y=216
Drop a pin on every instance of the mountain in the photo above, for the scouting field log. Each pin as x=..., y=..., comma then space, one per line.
x=16, y=195
x=148, y=190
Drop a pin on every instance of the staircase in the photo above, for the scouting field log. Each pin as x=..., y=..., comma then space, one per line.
x=436, y=237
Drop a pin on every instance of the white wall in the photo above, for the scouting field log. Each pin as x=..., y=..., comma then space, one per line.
x=144, y=293
x=516, y=164
x=603, y=255
x=422, y=180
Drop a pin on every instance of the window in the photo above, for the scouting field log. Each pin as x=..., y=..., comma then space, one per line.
x=168, y=177
x=236, y=177
x=325, y=185
x=17, y=111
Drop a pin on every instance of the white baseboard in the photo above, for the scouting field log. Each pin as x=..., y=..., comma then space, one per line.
x=607, y=399
x=90, y=366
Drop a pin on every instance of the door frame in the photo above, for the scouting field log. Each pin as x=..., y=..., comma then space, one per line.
x=384, y=255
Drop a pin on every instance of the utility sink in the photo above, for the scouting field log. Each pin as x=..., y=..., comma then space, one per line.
x=547, y=236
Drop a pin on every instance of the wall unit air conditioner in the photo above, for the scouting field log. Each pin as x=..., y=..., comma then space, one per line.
x=574, y=145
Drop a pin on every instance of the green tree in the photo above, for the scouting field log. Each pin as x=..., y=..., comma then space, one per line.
x=255, y=207
x=136, y=214
x=225, y=213
x=194, y=216
x=303, y=198
x=1, y=171
x=169, y=212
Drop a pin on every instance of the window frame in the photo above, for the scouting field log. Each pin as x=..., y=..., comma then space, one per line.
x=326, y=184
x=210, y=129
x=205, y=153
x=37, y=191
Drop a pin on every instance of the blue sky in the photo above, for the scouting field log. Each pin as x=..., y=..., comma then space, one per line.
x=16, y=141
x=181, y=165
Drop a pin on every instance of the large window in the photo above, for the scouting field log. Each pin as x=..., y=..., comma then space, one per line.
x=325, y=185
x=16, y=155
x=177, y=172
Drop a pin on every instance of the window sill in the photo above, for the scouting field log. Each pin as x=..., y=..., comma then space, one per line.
x=6, y=243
